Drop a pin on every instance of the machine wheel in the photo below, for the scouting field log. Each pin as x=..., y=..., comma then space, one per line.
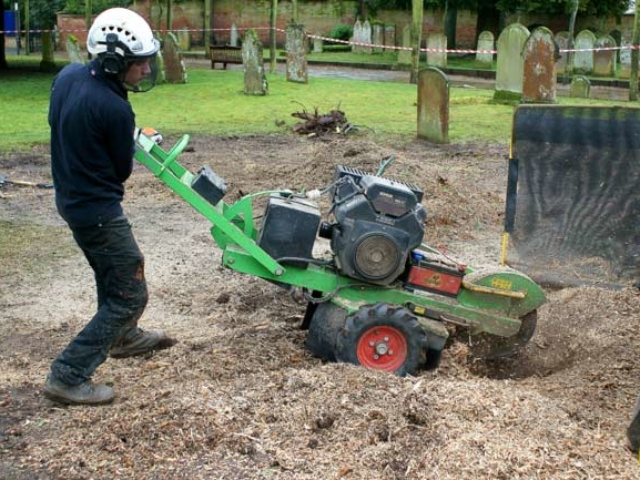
x=384, y=337
x=490, y=347
x=325, y=324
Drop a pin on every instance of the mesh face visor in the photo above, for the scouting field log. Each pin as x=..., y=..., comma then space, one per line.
x=147, y=82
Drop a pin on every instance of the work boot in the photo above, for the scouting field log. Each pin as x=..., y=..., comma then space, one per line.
x=633, y=430
x=86, y=393
x=140, y=342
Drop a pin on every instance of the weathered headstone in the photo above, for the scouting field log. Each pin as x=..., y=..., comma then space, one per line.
x=366, y=37
x=562, y=40
x=437, y=50
x=404, y=55
x=255, y=81
x=233, y=40
x=184, y=39
x=378, y=38
x=389, y=37
x=580, y=87
x=174, y=68
x=73, y=49
x=356, y=46
x=539, y=74
x=296, y=46
x=433, y=105
x=625, y=59
x=583, y=57
x=604, y=61
x=318, y=43
x=484, y=54
x=510, y=64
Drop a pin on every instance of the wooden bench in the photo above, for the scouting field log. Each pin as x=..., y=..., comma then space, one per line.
x=225, y=54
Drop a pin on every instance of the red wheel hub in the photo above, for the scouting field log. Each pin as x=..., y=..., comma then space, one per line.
x=383, y=348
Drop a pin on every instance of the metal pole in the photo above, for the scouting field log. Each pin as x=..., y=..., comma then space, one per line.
x=27, y=26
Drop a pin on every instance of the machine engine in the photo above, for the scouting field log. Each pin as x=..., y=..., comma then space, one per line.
x=378, y=222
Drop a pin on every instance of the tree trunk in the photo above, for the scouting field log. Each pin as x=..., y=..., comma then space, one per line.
x=489, y=19
x=3, y=55
x=633, y=80
x=208, y=10
x=272, y=36
x=416, y=38
x=572, y=30
x=450, y=24
x=47, y=64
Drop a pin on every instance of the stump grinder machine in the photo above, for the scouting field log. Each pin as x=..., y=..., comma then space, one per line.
x=381, y=298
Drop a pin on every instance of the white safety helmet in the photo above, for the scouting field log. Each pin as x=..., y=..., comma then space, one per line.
x=135, y=37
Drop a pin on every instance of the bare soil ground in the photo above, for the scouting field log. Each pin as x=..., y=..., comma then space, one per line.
x=241, y=398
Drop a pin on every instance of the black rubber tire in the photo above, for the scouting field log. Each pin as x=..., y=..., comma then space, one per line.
x=398, y=319
x=326, y=322
x=490, y=347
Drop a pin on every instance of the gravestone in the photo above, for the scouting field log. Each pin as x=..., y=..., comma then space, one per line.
x=625, y=59
x=604, y=61
x=433, y=105
x=539, y=74
x=404, y=55
x=318, y=43
x=255, y=80
x=510, y=64
x=484, y=54
x=583, y=57
x=73, y=50
x=389, y=37
x=562, y=40
x=437, y=50
x=296, y=46
x=580, y=87
x=356, y=46
x=378, y=38
x=233, y=40
x=184, y=39
x=366, y=37
x=174, y=68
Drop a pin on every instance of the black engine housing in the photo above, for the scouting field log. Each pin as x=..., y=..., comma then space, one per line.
x=379, y=221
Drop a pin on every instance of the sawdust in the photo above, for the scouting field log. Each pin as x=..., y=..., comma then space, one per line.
x=240, y=396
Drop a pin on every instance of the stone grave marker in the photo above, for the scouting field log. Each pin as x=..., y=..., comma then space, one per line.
x=184, y=39
x=625, y=59
x=604, y=61
x=510, y=63
x=404, y=55
x=296, y=46
x=174, y=68
x=233, y=40
x=366, y=37
x=433, y=105
x=562, y=40
x=378, y=38
x=357, y=37
x=436, y=50
x=255, y=80
x=583, y=58
x=484, y=55
x=389, y=37
x=539, y=74
x=318, y=43
x=580, y=87
x=73, y=50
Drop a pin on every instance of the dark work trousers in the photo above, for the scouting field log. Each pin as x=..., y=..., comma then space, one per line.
x=118, y=266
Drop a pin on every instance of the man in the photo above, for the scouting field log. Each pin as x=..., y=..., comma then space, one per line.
x=92, y=145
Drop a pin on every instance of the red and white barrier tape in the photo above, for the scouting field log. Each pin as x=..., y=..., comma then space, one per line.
x=346, y=42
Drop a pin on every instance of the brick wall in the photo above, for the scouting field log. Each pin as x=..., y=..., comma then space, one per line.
x=317, y=17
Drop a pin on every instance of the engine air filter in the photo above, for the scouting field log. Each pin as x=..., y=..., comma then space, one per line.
x=376, y=256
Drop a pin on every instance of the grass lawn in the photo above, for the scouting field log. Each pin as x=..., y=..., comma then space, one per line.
x=213, y=102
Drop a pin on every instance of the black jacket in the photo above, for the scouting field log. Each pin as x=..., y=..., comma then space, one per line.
x=92, y=145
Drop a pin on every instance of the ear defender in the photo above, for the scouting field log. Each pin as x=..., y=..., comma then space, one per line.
x=111, y=61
